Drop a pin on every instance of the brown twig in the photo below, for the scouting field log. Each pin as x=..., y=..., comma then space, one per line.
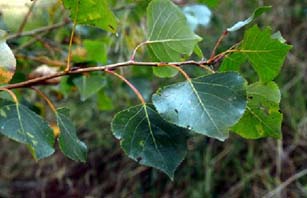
x=135, y=90
x=25, y=19
x=219, y=41
x=50, y=104
x=12, y=94
x=37, y=81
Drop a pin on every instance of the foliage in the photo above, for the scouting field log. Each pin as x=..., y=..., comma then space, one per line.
x=214, y=103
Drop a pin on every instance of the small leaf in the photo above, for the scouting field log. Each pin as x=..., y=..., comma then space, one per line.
x=169, y=37
x=7, y=60
x=262, y=117
x=208, y=105
x=264, y=53
x=69, y=143
x=19, y=123
x=165, y=72
x=149, y=140
x=258, y=12
x=89, y=12
x=89, y=85
x=104, y=102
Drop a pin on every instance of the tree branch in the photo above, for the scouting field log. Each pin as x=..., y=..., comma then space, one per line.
x=39, y=30
x=41, y=80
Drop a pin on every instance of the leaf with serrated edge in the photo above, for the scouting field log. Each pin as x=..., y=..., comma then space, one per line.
x=69, y=143
x=258, y=12
x=89, y=12
x=19, y=123
x=264, y=53
x=232, y=62
x=169, y=35
x=208, y=105
x=262, y=117
x=150, y=140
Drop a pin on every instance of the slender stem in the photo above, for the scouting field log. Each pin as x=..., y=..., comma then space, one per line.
x=25, y=19
x=68, y=66
x=286, y=183
x=38, y=30
x=135, y=90
x=12, y=94
x=45, y=97
x=132, y=58
x=219, y=41
x=180, y=70
x=41, y=80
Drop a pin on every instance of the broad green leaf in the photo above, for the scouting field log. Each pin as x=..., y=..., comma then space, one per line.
x=92, y=12
x=208, y=105
x=69, y=143
x=232, y=62
x=169, y=35
x=89, y=85
x=262, y=117
x=150, y=140
x=19, y=123
x=264, y=53
x=95, y=51
x=258, y=12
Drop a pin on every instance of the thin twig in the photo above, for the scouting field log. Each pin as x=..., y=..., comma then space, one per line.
x=50, y=104
x=68, y=66
x=132, y=58
x=37, y=81
x=12, y=94
x=25, y=19
x=286, y=183
x=186, y=76
x=39, y=30
x=135, y=90
x=219, y=41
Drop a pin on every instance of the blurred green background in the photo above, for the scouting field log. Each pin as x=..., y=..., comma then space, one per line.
x=235, y=168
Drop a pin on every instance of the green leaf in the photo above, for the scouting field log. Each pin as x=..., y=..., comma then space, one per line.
x=95, y=51
x=208, y=105
x=262, y=117
x=232, y=62
x=19, y=123
x=89, y=85
x=169, y=37
x=89, y=12
x=165, y=72
x=149, y=140
x=258, y=12
x=69, y=143
x=264, y=53
x=104, y=102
